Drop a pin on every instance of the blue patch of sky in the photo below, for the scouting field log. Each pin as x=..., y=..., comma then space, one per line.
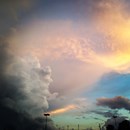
x=110, y=85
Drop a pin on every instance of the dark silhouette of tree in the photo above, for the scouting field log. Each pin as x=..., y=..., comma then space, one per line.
x=124, y=125
x=110, y=127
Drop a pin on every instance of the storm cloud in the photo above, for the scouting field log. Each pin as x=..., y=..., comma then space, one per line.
x=117, y=102
x=24, y=90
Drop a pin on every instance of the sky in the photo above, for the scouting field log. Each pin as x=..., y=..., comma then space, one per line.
x=70, y=58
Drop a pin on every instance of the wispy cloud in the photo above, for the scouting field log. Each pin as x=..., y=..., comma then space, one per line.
x=63, y=110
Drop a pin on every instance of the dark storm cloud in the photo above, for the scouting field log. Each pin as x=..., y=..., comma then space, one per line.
x=18, y=110
x=117, y=102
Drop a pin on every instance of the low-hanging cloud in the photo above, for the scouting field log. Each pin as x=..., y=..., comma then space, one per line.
x=117, y=102
x=106, y=113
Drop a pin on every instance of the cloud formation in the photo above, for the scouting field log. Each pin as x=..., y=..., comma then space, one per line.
x=86, y=47
x=34, y=84
x=117, y=102
x=24, y=89
x=113, y=22
x=106, y=114
x=78, y=51
x=107, y=37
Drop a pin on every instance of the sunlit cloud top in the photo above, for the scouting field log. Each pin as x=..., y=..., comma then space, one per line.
x=109, y=37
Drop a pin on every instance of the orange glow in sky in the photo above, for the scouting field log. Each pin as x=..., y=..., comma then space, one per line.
x=62, y=110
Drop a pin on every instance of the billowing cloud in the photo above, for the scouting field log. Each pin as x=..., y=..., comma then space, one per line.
x=117, y=102
x=24, y=89
x=35, y=82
